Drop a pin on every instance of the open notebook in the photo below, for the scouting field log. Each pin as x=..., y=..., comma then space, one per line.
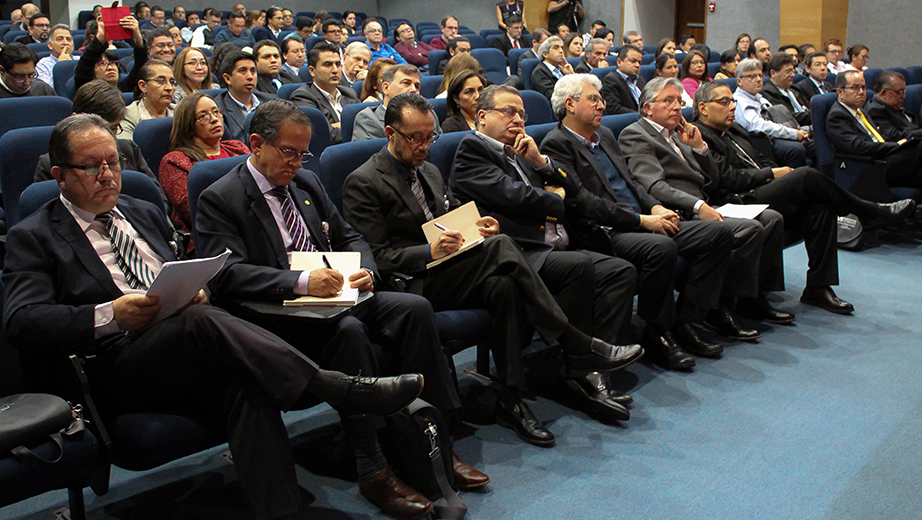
x=463, y=220
x=347, y=263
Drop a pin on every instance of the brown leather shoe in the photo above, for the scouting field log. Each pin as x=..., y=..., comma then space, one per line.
x=467, y=477
x=394, y=497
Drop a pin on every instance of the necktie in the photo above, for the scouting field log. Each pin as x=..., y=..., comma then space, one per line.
x=742, y=153
x=869, y=127
x=554, y=233
x=417, y=188
x=797, y=106
x=515, y=44
x=277, y=82
x=138, y=274
x=300, y=240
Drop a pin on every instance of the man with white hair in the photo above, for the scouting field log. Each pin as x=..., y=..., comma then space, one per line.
x=552, y=67
x=27, y=11
x=355, y=63
x=593, y=56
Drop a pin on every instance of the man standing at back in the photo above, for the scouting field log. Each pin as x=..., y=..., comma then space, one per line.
x=326, y=93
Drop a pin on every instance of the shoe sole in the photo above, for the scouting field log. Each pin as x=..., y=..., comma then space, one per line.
x=471, y=487
x=541, y=444
x=767, y=320
x=724, y=334
x=596, y=403
x=619, y=366
x=834, y=310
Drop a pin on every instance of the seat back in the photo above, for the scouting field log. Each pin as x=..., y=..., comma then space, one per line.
x=12, y=36
x=730, y=82
x=647, y=72
x=537, y=107
x=435, y=57
x=870, y=76
x=619, y=122
x=338, y=161
x=19, y=153
x=914, y=75
x=514, y=55
x=285, y=91
x=32, y=111
x=60, y=73
x=601, y=72
x=429, y=86
x=305, y=74
x=441, y=108
x=820, y=106
x=528, y=66
x=713, y=69
x=913, y=102
x=442, y=152
x=647, y=59
x=204, y=173
x=320, y=135
x=153, y=138
x=134, y=184
x=477, y=42
x=539, y=132
x=347, y=118
x=493, y=62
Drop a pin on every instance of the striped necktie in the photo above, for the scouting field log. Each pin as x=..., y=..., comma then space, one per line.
x=138, y=274
x=869, y=127
x=300, y=239
x=417, y=188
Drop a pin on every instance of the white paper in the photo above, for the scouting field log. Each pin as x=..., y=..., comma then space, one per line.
x=464, y=220
x=178, y=282
x=749, y=211
x=346, y=262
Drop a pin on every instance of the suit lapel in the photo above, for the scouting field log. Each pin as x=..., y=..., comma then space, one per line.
x=147, y=230
x=617, y=160
x=66, y=228
x=260, y=208
x=393, y=179
x=593, y=163
x=233, y=114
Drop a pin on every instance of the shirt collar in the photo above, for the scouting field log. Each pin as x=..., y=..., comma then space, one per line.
x=333, y=98
x=86, y=218
x=401, y=168
x=492, y=143
x=659, y=128
x=261, y=181
x=241, y=105
x=552, y=67
x=627, y=78
x=591, y=144
x=851, y=110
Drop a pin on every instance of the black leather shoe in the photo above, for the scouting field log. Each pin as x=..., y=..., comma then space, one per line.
x=758, y=308
x=685, y=334
x=394, y=497
x=664, y=351
x=604, y=356
x=518, y=417
x=824, y=298
x=378, y=395
x=593, y=390
x=724, y=322
x=622, y=398
x=897, y=210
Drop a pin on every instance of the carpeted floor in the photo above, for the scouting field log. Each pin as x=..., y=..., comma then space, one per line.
x=818, y=420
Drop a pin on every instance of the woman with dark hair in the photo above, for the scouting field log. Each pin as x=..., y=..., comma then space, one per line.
x=198, y=126
x=506, y=8
x=573, y=45
x=665, y=46
x=254, y=19
x=459, y=62
x=153, y=96
x=192, y=73
x=371, y=88
x=667, y=67
x=694, y=71
x=728, y=62
x=98, y=62
x=858, y=57
x=607, y=35
x=463, y=94
x=741, y=45
x=217, y=57
x=349, y=22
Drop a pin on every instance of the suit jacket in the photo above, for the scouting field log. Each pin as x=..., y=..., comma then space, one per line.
x=455, y=123
x=502, y=43
x=846, y=135
x=596, y=201
x=774, y=95
x=527, y=55
x=263, y=33
x=233, y=213
x=543, y=80
x=309, y=95
x=379, y=203
x=808, y=88
x=369, y=123
x=728, y=161
x=482, y=174
x=234, y=116
x=583, y=66
x=265, y=84
x=617, y=94
x=892, y=124
x=54, y=279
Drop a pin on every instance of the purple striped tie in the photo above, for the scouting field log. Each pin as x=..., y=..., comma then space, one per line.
x=300, y=238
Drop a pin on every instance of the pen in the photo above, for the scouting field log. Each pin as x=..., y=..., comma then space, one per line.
x=443, y=228
x=326, y=262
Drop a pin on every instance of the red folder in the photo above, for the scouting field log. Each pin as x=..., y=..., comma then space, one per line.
x=110, y=18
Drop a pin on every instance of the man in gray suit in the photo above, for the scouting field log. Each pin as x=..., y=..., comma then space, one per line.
x=671, y=160
x=326, y=93
x=241, y=98
x=396, y=80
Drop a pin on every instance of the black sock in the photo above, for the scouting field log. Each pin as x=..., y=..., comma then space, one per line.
x=369, y=459
x=329, y=385
x=574, y=341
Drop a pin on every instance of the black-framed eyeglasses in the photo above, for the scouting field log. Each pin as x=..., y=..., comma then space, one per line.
x=92, y=170
x=418, y=140
x=206, y=118
x=722, y=101
x=511, y=112
x=290, y=154
x=102, y=64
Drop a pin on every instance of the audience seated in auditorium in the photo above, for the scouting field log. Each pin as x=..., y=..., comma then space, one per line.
x=463, y=94
x=455, y=66
x=304, y=28
x=778, y=90
x=792, y=51
x=686, y=42
x=834, y=53
x=412, y=51
x=565, y=12
x=203, y=36
x=760, y=50
x=537, y=38
x=192, y=73
x=512, y=38
x=886, y=108
x=728, y=62
x=349, y=22
x=39, y=27
x=666, y=66
x=332, y=33
x=374, y=38
x=573, y=46
x=255, y=18
x=397, y=79
x=851, y=131
x=621, y=88
x=218, y=53
x=160, y=46
x=355, y=63
x=741, y=46
x=239, y=73
x=98, y=62
x=457, y=45
x=593, y=57
x=153, y=97
x=156, y=20
x=326, y=93
x=273, y=29
x=665, y=46
x=236, y=32
x=694, y=71
x=187, y=32
x=561, y=31
x=449, y=26
x=61, y=44
x=17, y=72
x=816, y=81
x=141, y=11
x=239, y=8
x=371, y=87
x=858, y=57
x=507, y=8
x=808, y=200
x=269, y=68
x=606, y=34
x=293, y=55
x=634, y=39
x=552, y=67
x=177, y=36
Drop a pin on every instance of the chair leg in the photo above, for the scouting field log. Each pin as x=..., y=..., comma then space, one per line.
x=77, y=506
x=483, y=359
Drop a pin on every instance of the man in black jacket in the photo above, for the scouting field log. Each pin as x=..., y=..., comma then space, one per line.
x=886, y=108
x=808, y=200
x=816, y=81
x=270, y=77
x=513, y=38
x=553, y=66
x=778, y=91
x=326, y=93
x=621, y=88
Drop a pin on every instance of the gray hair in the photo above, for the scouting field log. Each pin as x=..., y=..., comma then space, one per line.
x=654, y=87
x=571, y=86
x=628, y=35
x=546, y=46
x=59, y=150
x=746, y=66
x=405, y=68
x=703, y=94
x=59, y=26
x=486, y=101
x=592, y=43
x=270, y=115
x=355, y=46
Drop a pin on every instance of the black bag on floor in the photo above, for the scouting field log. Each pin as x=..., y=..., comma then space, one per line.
x=850, y=233
x=418, y=447
x=26, y=419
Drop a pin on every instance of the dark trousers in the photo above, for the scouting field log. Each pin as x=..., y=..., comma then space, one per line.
x=793, y=153
x=904, y=167
x=595, y=291
x=496, y=276
x=207, y=361
x=706, y=246
x=757, y=259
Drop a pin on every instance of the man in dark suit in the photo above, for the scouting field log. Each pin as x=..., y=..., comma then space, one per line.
x=850, y=131
x=268, y=207
x=816, y=81
x=241, y=98
x=39, y=30
x=594, y=56
x=457, y=45
x=639, y=228
x=621, y=88
x=513, y=38
x=391, y=196
x=671, y=160
x=397, y=79
x=808, y=200
x=553, y=66
x=778, y=90
x=326, y=93
x=76, y=279
x=886, y=108
x=270, y=75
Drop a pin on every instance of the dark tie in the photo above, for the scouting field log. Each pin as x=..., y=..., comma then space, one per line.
x=138, y=274
x=417, y=188
x=300, y=240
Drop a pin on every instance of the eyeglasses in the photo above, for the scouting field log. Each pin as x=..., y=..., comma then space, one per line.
x=160, y=80
x=41, y=25
x=592, y=98
x=208, y=116
x=291, y=155
x=22, y=78
x=196, y=64
x=92, y=170
x=859, y=88
x=901, y=92
x=102, y=64
x=510, y=112
x=752, y=76
x=164, y=45
x=417, y=141
x=722, y=101
x=670, y=101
